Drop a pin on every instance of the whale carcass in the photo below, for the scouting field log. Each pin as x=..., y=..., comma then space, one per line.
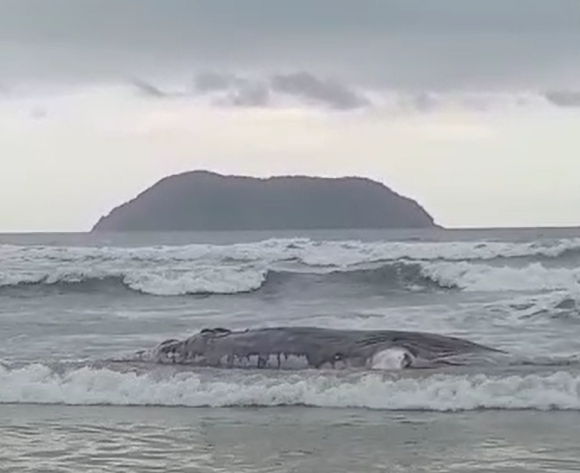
x=315, y=348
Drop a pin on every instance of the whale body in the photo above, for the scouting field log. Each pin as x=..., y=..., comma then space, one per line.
x=314, y=348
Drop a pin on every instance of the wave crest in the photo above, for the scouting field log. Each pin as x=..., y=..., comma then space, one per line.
x=200, y=280
x=441, y=392
x=238, y=279
x=240, y=268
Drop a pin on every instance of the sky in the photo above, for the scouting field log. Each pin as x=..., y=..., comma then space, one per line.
x=472, y=108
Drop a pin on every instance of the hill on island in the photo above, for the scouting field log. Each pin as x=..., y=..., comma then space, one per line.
x=206, y=201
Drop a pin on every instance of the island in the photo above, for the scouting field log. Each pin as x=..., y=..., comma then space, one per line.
x=208, y=201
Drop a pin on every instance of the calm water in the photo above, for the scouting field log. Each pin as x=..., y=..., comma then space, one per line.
x=71, y=301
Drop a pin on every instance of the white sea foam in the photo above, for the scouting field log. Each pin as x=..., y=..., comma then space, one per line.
x=541, y=308
x=227, y=269
x=38, y=384
x=309, y=252
x=480, y=277
x=205, y=280
x=198, y=279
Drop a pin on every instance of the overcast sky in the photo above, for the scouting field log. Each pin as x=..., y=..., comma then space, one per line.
x=473, y=108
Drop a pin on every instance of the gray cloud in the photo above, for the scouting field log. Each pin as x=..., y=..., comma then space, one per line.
x=564, y=98
x=249, y=95
x=326, y=91
x=403, y=43
x=233, y=90
x=240, y=92
x=148, y=89
x=226, y=89
x=304, y=86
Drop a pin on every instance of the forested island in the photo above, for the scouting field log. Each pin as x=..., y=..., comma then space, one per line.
x=207, y=201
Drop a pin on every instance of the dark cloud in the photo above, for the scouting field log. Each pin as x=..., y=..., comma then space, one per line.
x=326, y=91
x=232, y=90
x=564, y=98
x=250, y=95
x=226, y=89
x=148, y=89
x=261, y=91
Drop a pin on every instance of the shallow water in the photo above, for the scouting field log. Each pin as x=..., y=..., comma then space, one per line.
x=71, y=301
x=69, y=439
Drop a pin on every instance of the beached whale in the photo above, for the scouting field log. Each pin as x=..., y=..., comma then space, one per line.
x=312, y=347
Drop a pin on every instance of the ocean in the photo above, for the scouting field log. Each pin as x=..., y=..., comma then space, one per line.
x=71, y=301
x=470, y=108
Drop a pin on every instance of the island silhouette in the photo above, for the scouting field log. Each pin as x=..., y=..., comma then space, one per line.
x=208, y=201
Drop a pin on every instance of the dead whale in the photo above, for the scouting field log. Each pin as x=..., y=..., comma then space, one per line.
x=297, y=348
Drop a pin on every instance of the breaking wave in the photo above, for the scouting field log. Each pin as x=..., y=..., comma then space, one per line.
x=278, y=264
x=304, y=250
x=440, y=392
x=229, y=280
x=196, y=281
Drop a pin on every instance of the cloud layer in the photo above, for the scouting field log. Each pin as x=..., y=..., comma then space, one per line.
x=228, y=89
x=469, y=106
x=400, y=43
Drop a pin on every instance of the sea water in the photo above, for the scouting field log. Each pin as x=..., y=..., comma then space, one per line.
x=70, y=301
